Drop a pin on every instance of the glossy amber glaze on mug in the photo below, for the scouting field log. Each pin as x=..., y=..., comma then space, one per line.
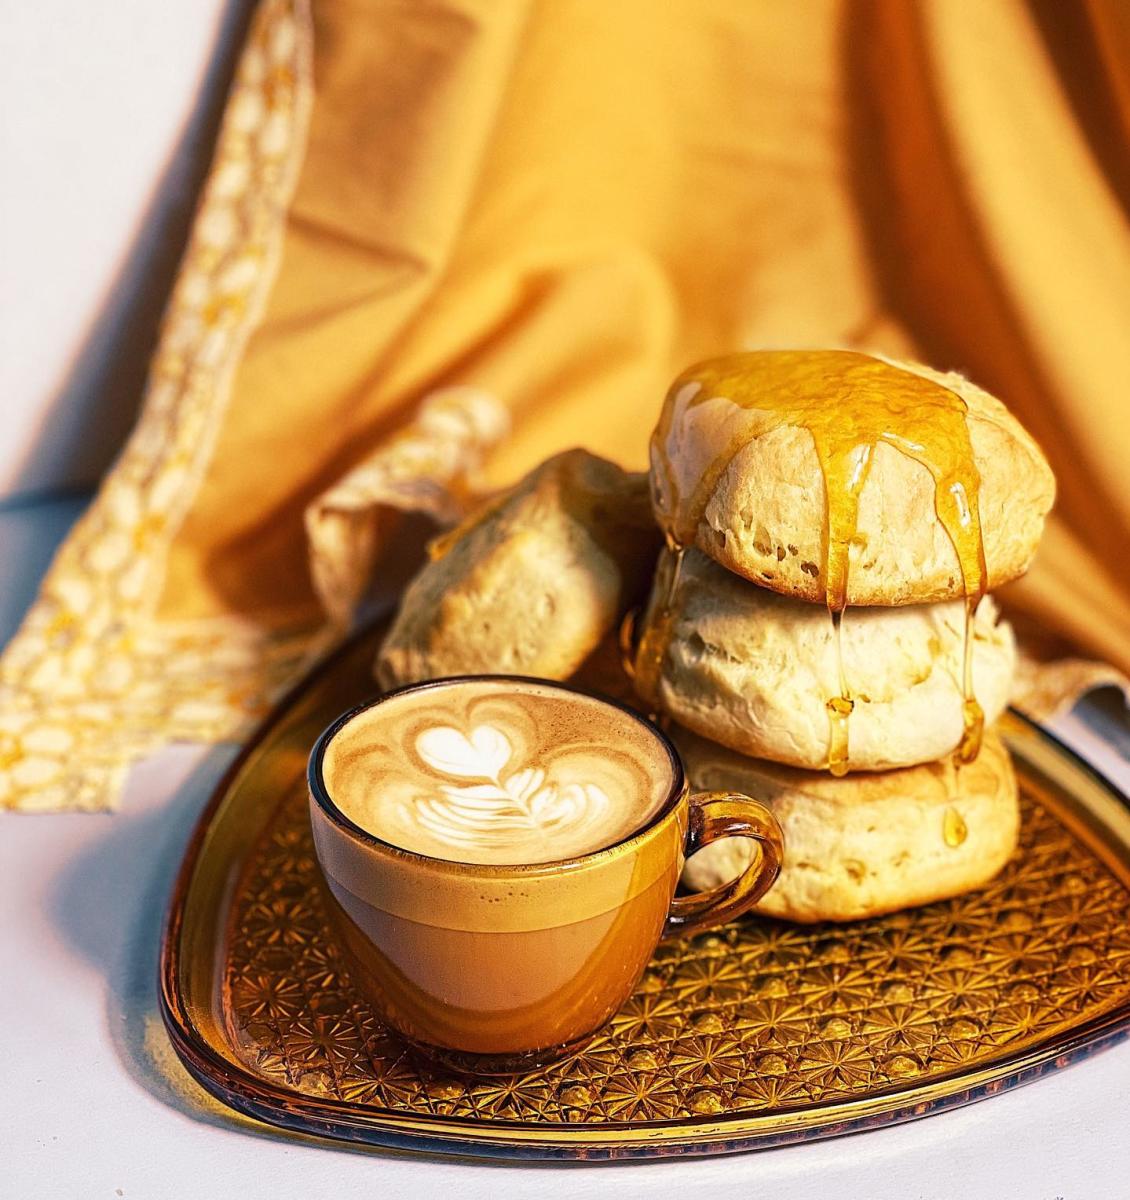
x=508, y=963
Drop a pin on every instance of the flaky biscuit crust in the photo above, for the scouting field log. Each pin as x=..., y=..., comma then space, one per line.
x=866, y=844
x=766, y=517
x=532, y=581
x=754, y=671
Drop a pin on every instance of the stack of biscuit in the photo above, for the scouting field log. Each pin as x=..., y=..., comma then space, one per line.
x=751, y=662
x=755, y=462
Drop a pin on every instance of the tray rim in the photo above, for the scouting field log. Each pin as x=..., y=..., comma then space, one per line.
x=338, y=1121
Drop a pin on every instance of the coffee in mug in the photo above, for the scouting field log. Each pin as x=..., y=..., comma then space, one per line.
x=493, y=772
x=502, y=856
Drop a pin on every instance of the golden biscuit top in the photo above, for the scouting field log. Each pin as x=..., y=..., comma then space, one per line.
x=844, y=478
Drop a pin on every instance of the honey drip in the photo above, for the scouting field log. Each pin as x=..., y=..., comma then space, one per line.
x=954, y=829
x=972, y=716
x=656, y=635
x=849, y=403
x=839, y=707
x=442, y=544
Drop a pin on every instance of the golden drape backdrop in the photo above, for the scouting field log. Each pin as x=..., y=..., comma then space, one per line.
x=550, y=208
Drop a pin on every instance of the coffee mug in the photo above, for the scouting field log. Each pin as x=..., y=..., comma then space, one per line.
x=494, y=966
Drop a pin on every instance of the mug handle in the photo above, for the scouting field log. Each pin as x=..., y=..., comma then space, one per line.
x=715, y=815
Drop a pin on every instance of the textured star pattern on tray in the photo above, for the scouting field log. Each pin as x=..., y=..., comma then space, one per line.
x=759, y=1017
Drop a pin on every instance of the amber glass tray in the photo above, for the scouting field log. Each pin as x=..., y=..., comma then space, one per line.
x=762, y=1034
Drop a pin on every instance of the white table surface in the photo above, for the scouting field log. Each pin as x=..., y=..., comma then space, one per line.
x=94, y=1104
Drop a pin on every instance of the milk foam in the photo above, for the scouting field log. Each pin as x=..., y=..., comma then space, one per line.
x=497, y=772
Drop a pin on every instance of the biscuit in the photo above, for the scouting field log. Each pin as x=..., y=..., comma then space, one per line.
x=766, y=514
x=866, y=844
x=754, y=670
x=531, y=580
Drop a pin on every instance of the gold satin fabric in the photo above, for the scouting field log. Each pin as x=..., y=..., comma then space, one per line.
x=564, y=203
x=561, y=204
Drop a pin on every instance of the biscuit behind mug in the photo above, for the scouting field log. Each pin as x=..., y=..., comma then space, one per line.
x=532, y=580
x=865, y=844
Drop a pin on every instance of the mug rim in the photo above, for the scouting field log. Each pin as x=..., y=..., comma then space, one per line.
x=320, y=793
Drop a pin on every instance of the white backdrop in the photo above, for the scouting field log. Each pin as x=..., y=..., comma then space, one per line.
x=106, y=117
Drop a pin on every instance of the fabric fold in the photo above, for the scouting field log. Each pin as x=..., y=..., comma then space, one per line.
x=428, y=222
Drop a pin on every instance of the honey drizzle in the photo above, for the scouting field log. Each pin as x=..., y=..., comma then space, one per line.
x=972, y=715
x=443, y=543
x=839, y=707
x=954, y=829
x=849, y=403
x=656, y=635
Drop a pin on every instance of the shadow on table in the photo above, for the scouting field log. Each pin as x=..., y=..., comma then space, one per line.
x=109, y=904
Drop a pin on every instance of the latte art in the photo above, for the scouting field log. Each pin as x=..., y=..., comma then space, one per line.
x=498, y=805
x=497, y=772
